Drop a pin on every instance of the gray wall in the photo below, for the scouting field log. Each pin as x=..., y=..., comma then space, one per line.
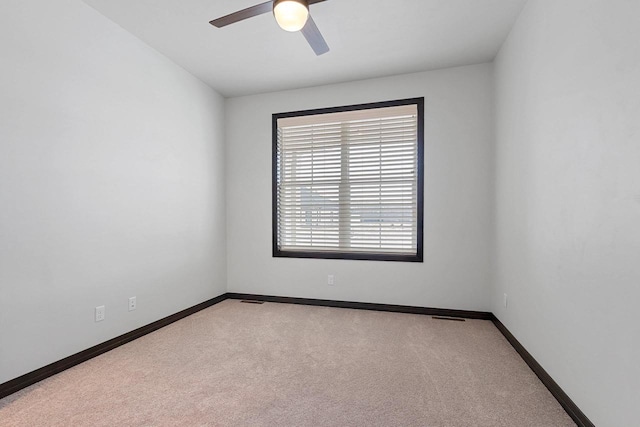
x=111, y=183
x=458, y=196
x=568, y=198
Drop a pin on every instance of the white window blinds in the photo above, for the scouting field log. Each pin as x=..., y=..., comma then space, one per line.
x=347, y=182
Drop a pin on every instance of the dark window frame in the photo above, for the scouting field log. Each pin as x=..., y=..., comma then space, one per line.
x=418, y=257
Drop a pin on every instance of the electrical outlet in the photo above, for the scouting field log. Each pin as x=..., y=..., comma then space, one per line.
x=330, y=280
x=505, y=301
x=100, y=313
x=132, y=303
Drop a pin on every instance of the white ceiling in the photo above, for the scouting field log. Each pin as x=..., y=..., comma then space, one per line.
x=368, y=38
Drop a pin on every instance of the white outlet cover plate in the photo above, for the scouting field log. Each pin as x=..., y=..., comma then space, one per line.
x=100, y=311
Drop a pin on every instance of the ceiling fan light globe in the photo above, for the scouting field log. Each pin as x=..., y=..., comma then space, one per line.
x=291, y=15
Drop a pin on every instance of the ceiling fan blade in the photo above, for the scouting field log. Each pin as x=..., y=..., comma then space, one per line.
x=243, y=14
x=315, y=1
x=313, y=36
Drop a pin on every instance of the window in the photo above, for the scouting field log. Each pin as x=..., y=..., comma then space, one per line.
x=347, y=182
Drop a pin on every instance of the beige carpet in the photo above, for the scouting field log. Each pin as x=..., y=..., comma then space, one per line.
x=238, y=364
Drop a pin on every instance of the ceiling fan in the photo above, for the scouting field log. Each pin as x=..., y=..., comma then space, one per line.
x=291, y=15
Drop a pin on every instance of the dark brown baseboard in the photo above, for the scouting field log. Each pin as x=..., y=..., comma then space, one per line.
x=565, y=401
x=467, y=314
x=33, y=377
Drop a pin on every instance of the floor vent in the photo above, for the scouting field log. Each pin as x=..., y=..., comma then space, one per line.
x=252, y=301
x=457, y=319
